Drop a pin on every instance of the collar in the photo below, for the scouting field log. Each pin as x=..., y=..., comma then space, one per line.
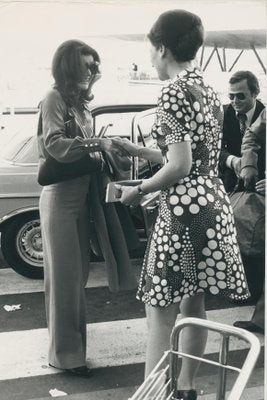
x=193, y=72
x=249, y=114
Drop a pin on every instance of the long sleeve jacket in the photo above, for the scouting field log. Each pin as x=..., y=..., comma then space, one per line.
x=253, y=141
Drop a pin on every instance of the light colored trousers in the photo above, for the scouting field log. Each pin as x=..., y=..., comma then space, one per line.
x=65, y=234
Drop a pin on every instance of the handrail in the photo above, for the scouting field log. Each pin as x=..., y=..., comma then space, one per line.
x=225, y=331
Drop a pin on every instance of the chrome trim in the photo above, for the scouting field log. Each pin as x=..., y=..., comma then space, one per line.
x=19, y=195
x=17, y=212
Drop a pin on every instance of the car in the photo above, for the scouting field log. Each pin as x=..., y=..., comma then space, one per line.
x=21, y=240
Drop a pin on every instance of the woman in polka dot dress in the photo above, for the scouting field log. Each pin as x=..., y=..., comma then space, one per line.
x=193, y=247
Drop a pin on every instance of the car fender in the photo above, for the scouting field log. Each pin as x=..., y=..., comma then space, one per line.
x=15, y=213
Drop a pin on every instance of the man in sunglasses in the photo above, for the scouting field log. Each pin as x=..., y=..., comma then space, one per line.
x=243, y=110
x=239, y=115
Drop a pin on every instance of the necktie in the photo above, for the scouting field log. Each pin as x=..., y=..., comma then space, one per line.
x=242, y=122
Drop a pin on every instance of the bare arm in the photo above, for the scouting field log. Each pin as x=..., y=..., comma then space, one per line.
x=153, y=155
x=178, y=166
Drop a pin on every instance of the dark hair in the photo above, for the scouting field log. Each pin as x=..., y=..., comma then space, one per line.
x=252, y=80
x=67, y=69
x=180, y=31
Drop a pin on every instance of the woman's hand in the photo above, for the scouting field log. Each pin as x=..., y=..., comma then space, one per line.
x=260, y=186
x=106, y=145
x=94, y=78
x=129, y=195
x=125, y=145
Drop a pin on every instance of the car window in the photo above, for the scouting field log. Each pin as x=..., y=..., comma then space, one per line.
x=143, y=123
x=18, y=143
x=118, y=124
x=28, y=152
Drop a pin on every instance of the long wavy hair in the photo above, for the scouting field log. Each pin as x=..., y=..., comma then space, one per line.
x=68, y=70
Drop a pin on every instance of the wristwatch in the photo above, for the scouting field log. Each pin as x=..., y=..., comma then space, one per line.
x=139, y=189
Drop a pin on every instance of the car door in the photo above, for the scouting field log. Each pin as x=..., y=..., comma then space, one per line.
x=142, y=125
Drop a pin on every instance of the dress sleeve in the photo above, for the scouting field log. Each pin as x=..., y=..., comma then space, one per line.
x=175, y=114
x=57, y=144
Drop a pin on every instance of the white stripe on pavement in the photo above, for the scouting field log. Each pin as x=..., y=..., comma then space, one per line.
x=24, y=353
x=251, y=393
x=13, y=283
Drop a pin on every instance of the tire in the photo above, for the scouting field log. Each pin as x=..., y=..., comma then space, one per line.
x=21, y=245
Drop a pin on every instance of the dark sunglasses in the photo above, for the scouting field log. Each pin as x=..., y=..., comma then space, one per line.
x=93, y=67
x=239, y=96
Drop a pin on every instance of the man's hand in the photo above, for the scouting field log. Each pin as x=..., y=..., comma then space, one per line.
x=236, y=165
x=249, y=175
x=260, y=186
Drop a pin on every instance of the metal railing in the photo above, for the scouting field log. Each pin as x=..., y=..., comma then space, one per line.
x=161, y=384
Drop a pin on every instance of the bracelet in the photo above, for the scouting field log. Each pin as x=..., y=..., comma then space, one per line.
x=231, y=163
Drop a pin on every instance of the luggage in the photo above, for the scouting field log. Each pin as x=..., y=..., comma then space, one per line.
x=249, y=214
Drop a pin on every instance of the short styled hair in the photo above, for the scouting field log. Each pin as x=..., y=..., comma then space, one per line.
x=67, y=68
x=180, y=31
x=252, y=80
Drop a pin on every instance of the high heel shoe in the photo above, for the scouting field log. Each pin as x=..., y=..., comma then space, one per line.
x=82, y=371
x=185, y=395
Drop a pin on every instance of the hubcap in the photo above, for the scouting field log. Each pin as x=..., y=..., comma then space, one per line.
x=29, y=243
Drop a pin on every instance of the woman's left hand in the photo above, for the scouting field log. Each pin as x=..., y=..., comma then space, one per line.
x=260, y=186
x=93, y=79
x=129, y=195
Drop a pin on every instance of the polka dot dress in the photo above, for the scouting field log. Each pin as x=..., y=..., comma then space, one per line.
x=193, y=246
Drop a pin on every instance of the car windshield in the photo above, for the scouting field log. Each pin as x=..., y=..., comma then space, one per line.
x=18, y=142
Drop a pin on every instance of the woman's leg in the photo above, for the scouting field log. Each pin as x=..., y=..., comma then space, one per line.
x=160, y=322
x=193, y=339
x=65, y=274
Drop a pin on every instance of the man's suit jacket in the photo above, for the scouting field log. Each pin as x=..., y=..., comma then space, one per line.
x=231, y=143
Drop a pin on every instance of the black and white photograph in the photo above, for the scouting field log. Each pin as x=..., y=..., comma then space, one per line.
x=132, y=199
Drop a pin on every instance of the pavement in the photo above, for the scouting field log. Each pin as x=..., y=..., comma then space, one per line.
x=116, y=329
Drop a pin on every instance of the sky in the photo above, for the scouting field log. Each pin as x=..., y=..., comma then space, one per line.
x=30, y=32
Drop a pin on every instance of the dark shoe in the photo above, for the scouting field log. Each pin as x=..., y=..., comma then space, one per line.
x=249, y=326
x=185, y=395
x=82, y=371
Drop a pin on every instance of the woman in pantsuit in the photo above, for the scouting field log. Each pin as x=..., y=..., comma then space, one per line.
x=63, y=211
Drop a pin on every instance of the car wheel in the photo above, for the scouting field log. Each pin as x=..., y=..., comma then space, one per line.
x=21, y=244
